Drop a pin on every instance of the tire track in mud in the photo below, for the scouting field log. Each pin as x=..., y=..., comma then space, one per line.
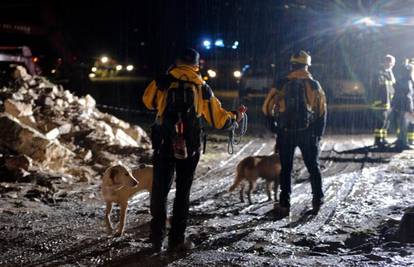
x=209, y=183
x=205, y=191
x=346, y=177
x=218, y=219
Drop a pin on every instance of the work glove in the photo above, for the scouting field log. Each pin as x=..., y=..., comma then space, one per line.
x=240, y=113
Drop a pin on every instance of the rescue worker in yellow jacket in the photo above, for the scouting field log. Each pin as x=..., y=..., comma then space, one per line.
x=383, y=90
x=181, y=99
x=297, y=109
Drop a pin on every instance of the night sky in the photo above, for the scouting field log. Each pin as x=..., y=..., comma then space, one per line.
x=151, y=32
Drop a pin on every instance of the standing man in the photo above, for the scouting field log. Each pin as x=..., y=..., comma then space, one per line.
x=383, y=88
x=402, y=104
x=181, y=98
x=298, y=106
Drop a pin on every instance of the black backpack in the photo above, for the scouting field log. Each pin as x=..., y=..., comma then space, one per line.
x=298, y=114
x=180, y=104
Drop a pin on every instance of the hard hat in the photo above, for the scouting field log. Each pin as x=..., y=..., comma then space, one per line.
x=301, y=58
x=191, y=56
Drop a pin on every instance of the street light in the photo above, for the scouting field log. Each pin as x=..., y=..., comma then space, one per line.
x=118, y=67
x=104, y=59
x=237, y=74
x=207, y=43
x=129, y=67
x=235, y=44
x=94, y=69
x=211, y=73
x=219, y=43
x=92, y=75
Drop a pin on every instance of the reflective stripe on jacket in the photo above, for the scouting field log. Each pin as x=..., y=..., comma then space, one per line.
x=383, y=87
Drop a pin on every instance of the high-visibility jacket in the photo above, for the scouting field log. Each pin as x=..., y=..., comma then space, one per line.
x=315, y=96
x=383, y=89
x=206, y=105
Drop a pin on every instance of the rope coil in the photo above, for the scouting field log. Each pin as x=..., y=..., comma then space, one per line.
x=234, y=136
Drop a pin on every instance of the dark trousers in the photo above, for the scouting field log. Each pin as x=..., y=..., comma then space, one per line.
x=164, y=166
x=309, y=146
x=382, y=123
x=403, y=124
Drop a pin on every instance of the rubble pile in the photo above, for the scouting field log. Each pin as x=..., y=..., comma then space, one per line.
x=46, y=129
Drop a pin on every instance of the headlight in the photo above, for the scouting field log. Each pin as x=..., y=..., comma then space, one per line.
x=237, y=74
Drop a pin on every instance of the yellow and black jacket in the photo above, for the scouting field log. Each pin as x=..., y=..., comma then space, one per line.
x=383, y=89
x=206, y=105
x=275, y=104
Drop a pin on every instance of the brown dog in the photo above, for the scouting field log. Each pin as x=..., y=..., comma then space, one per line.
x=118, y=186
x=253, y=167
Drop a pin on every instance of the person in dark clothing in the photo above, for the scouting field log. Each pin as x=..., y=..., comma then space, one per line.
x=181, y=98
x=383, y=88
x=297, y=105
x=402, y=103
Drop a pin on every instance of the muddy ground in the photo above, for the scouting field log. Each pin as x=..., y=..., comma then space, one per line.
x=366, y=194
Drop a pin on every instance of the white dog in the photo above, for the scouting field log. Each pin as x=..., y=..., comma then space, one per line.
x=118, y=186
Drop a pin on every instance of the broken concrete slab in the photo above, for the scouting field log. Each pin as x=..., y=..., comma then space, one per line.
x=17, y=109
x=25, y=140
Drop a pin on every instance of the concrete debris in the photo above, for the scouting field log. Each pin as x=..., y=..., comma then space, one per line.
x=25, y=140
x=17, y=109
x=124, y=139
x=52, y=130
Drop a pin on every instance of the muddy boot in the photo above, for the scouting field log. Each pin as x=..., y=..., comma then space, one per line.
x=384, y=142
x=156, y=244
x=281, y=211
x=156, y=247
x=401, y=146
x=377, y=141
x=316, y=204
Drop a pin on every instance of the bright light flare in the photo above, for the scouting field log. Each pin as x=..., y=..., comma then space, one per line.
x=368, y=22
x=207, y=44
x=237, y=74
x=235, y=45
x=92, y=75
x=104, y=59
x=211, y=73
x=118, y=67
x=129, y=67
x=94, y=69
x=219, y=43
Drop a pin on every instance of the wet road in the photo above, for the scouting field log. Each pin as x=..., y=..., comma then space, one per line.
x=359, y=184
